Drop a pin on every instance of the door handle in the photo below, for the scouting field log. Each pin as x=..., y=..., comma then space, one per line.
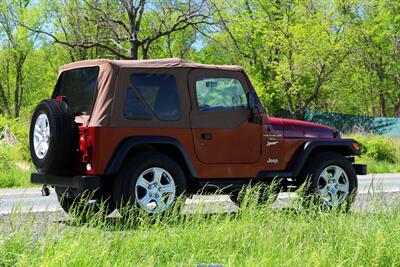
x=206, y=136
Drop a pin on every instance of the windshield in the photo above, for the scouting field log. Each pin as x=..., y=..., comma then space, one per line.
x=78, y=86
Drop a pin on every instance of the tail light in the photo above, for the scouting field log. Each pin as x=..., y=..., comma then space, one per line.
x=85, y=146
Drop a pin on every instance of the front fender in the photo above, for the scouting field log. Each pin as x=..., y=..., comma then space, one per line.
x=346, y=147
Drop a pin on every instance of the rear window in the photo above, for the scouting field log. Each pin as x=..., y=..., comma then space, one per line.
x=78, y=86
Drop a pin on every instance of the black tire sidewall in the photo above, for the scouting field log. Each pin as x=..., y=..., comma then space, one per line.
x=124, y=186
x=60, y=149
x=105, y=203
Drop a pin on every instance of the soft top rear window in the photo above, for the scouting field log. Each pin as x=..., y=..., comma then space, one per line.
x=79, y=87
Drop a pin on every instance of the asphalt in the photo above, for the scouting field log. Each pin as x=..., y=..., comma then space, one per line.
x=384, y=186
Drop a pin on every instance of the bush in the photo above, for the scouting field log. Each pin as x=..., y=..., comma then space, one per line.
x=15, y=165
x=379, y=148
x=20, y=128
x=14, y=170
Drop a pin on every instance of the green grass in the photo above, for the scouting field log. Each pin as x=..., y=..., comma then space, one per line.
x=15, y=165
x=15, y=170
x=257, y=236
x=15, y=177
x=375, y=166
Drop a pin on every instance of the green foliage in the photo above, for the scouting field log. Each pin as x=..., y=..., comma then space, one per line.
x=332, y=56
x=19, y=128
x=15, y=170
x=379, y=148
x=15, y=165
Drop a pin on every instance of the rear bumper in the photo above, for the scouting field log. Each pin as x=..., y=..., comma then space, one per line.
x=361, y=169
x=79, y=182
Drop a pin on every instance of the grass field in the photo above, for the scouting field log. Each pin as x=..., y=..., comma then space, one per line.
x=257, y=236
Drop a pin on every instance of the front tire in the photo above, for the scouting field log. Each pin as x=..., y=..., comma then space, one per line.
x=331, y=180
x=265, y=193
x=151, y=182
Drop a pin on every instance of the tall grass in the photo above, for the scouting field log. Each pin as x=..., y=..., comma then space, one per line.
x=15, y=170
x=258, y=235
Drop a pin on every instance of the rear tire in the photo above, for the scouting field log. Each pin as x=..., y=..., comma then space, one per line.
x=331, y=181
x=150, y=182
x=82, y=205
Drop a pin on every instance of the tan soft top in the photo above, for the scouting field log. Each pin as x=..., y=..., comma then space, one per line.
x=106, y=81
x=151, y=63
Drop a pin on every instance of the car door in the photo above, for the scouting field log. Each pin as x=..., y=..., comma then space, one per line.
x=221, y=129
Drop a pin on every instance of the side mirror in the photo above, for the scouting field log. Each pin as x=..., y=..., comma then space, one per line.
x=253, y=106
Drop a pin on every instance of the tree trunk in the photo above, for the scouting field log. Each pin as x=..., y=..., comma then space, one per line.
x=169, y=45
x=397, y=110
x=382, y=101
x=145, y=50
x=5, y=100
x=381, y=75
x=300, y=114
x=134, y=50
x=18, y=89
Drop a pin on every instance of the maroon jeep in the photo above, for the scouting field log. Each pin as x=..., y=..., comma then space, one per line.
x=145, y=132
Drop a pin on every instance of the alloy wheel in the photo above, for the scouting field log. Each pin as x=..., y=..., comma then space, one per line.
x=41, y=138
x=333, y=185
x=155, y=190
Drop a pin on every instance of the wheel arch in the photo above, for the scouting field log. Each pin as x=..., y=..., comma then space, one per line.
x=314, y=147
x=139, y=144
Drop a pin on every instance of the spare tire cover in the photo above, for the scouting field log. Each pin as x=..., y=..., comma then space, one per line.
x=51, y=137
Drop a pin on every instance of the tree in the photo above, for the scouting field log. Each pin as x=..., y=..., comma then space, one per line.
x=125, y=28
x=376, y=37
x=19, y=43
x=293, y=47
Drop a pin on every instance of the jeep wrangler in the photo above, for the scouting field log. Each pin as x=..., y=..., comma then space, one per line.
x=143, y=132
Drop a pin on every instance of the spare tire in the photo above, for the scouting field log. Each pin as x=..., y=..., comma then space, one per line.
x=51, y=137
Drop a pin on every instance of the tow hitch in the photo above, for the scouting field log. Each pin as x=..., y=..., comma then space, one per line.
x=45, y=191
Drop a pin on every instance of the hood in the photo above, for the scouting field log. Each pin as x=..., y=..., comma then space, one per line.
x=304, y=129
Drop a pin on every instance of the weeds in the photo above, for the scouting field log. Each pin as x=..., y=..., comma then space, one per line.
x=258, y=235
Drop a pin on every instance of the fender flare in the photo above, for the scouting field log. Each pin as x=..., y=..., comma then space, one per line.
x=344, y=147
x=129, y=143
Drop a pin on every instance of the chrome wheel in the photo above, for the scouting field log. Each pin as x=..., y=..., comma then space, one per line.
x=41, y=136
x=155, y=190
x=333, y=186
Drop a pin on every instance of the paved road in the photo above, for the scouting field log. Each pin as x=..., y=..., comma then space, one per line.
x=31, y=200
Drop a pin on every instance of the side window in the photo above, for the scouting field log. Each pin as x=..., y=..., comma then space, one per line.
x=159, y=92
x=134, y=109
x=220, y=93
